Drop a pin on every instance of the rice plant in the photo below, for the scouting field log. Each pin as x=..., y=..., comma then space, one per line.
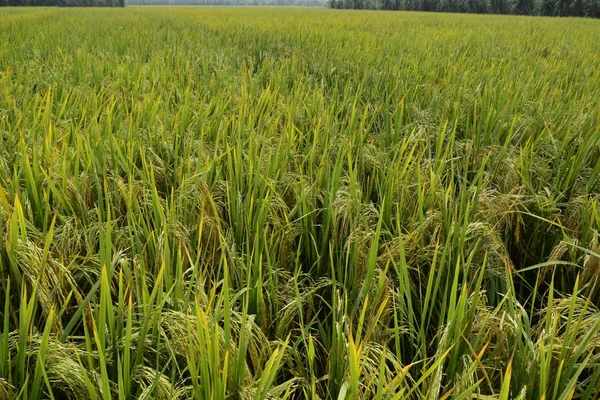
x=235, y=203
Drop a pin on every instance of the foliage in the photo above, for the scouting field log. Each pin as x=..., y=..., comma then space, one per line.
x=574, y=8
x=64, y=3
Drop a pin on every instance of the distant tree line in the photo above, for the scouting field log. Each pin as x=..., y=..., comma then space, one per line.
x=122, y=3
x=64, y=3
x=576, y=8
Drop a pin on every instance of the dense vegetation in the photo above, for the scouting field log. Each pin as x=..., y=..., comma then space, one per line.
x=564, y=8
x=123, y=3
x=64, y=3
x=298, y=203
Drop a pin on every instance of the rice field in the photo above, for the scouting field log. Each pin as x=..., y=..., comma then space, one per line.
x=288, y=203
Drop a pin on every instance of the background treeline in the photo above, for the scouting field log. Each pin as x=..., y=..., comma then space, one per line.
x=578, y=8
x=122, y=3
x=64, y=3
